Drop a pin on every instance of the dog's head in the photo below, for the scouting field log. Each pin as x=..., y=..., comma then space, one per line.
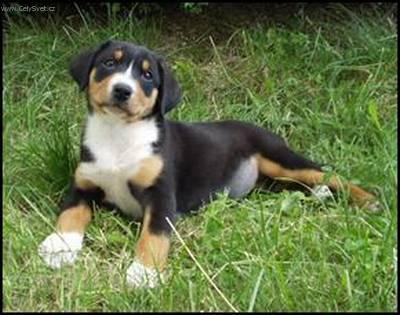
x=126, y=80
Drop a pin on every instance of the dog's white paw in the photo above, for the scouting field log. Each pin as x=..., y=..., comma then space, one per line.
x=60, y=249
x=322, y=192
x=373, y=206
x=139, y=276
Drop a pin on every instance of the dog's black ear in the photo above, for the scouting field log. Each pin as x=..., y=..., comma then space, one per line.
x=170, y=93
x=82, y=64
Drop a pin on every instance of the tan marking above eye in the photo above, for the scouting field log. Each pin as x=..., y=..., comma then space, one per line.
x=146, y=65
x=118, y=54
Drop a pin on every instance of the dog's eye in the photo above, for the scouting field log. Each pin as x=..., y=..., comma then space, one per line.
x=147, y=75
x=109, y=63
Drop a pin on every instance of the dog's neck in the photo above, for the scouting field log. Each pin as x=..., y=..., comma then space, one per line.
x=105, y=128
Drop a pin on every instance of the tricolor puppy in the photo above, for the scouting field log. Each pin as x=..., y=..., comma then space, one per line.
x=151, y=168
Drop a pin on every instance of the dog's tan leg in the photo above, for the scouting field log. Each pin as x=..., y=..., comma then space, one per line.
x=62, y=247
x=74, y=219
x=314, y=177
x=150, y=256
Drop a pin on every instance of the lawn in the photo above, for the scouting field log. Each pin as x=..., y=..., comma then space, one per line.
x=326, y=83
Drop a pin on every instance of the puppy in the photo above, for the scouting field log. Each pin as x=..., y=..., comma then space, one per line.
x=136, y=160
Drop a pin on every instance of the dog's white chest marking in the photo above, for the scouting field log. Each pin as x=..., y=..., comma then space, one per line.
x=118, y=148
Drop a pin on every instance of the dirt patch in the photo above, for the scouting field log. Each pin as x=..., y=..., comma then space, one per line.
x=219, y=20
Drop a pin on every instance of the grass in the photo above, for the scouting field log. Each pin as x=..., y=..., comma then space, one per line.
x=328, y=85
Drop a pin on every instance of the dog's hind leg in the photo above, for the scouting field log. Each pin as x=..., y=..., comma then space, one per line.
x=311, y=175
x=277, y=161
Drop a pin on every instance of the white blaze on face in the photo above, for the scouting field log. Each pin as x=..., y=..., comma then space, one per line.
x=124, y=78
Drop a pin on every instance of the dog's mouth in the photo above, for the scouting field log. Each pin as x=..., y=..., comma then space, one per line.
x=118, y=108
x=120, y=111
x=131, y=109
x=123, y=106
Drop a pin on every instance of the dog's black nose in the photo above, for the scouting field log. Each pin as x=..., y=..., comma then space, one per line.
x=121, y=92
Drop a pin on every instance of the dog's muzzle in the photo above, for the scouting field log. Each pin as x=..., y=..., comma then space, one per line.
x=121, y=93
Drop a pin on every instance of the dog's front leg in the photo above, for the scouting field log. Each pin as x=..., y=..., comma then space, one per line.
x=62, y=247
x=154, y=242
